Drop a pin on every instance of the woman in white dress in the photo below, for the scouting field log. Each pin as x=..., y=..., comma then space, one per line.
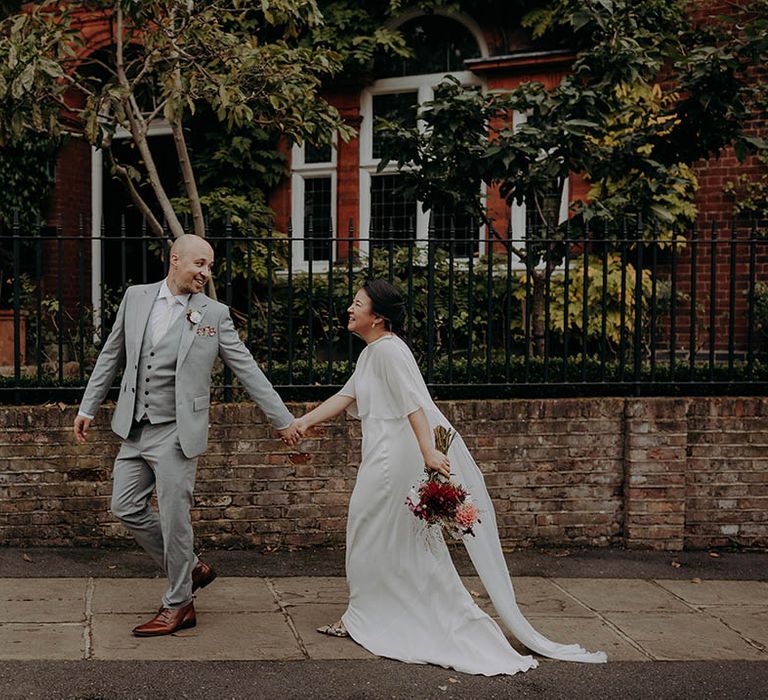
x=406, y=600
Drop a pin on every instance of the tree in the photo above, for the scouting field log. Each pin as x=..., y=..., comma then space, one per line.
x=649, y=93
x=25, y=172
x=238, y=166
x=8, y=7
x=163, y=60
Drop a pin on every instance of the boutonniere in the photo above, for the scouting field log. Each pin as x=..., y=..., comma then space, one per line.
x=194, y=316
x=208, y=331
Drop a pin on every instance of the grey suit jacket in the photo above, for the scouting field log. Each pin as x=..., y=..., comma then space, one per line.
x=197, y=353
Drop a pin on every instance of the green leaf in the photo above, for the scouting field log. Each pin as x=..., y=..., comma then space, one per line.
x=662, y=213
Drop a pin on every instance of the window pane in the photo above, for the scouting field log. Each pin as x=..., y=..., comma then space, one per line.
x=393, y=213
x=317, y=218
x=317, y=154
x=448, y=224
x=396, y=107
x=439, y=45
x=542, y=211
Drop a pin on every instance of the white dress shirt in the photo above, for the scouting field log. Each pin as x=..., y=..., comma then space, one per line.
x=167, y=308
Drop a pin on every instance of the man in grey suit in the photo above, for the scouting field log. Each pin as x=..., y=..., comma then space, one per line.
x=165, y=338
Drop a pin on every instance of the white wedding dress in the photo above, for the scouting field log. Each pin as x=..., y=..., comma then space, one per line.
x=407, y=601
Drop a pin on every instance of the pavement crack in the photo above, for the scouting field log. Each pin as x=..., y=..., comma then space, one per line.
x=748, y=640
x=704, y=609
x=88, y=628
x=286, y=615
x=608, y=623
x=680, y=598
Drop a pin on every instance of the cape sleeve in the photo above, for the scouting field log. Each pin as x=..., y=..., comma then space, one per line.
x=399, y=383
x=387, y=383
x=349, y=390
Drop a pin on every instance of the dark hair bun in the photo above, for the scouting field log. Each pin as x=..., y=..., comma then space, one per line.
x=386, y=302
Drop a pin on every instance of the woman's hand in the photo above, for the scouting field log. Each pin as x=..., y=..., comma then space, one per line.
x=436, y=461
x=302, y=425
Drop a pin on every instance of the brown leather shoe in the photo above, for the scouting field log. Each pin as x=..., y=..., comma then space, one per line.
x=168, y=621
x=202, y=575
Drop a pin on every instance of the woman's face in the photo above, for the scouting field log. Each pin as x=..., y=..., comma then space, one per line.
x=361, y=316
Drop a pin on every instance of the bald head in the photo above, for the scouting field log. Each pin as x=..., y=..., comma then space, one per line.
x=191, y=264
x=190, y=244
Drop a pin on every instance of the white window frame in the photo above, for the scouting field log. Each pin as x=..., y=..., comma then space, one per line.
x=158, y=127
x=424, y=86
x=300, y=172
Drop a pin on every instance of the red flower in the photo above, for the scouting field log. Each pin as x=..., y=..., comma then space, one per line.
x=438, y=499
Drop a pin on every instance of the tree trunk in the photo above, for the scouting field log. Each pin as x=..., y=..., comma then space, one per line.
x=190, y=185
x=538, y=329
x=138, y=129
x=140, y=139
x=138, y=200
x=187, y=173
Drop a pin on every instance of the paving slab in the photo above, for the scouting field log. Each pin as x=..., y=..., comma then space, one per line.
x=21, y=641
x=42, y=600
x=593, y=634
x=307, y=618
x=263, y=619
x=684, y=637
x=236, y=595
x=144, y=595
x=719, y=592
x=535, y=595
x=218, y=636
x=476, y=589
x=750, y=623
x=514, y=642
x=625, y=595
x=305, y=590
x=126, y=595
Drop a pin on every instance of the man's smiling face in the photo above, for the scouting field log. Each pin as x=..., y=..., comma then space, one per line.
x=191, y=265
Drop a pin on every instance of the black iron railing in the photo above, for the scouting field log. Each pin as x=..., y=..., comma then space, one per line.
x=582, y=312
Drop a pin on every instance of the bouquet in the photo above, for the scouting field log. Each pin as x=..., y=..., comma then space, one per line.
x=440, y=501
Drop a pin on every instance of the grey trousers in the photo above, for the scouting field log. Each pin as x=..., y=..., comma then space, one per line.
x=151, y=458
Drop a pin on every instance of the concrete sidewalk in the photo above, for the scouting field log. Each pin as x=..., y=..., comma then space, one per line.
x=269, y=618
x=66, y=616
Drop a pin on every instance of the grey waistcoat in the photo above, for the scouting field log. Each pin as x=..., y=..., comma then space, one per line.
x=156, y=377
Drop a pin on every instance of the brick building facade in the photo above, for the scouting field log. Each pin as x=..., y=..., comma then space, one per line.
x=341, y=190
x=498, y=60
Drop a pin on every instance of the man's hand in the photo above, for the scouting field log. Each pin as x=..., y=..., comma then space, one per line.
x=81, y=428
x=292, y=434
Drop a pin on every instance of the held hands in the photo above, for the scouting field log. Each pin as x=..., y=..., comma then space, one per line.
x=436, y=461
x=330, y=408
x=293, y=433
x=81, y=428
x=302, y=425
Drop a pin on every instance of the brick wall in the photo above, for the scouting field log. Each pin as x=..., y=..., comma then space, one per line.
x=646, y=473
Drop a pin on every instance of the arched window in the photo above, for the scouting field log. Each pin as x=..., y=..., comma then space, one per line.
x=440, y=46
